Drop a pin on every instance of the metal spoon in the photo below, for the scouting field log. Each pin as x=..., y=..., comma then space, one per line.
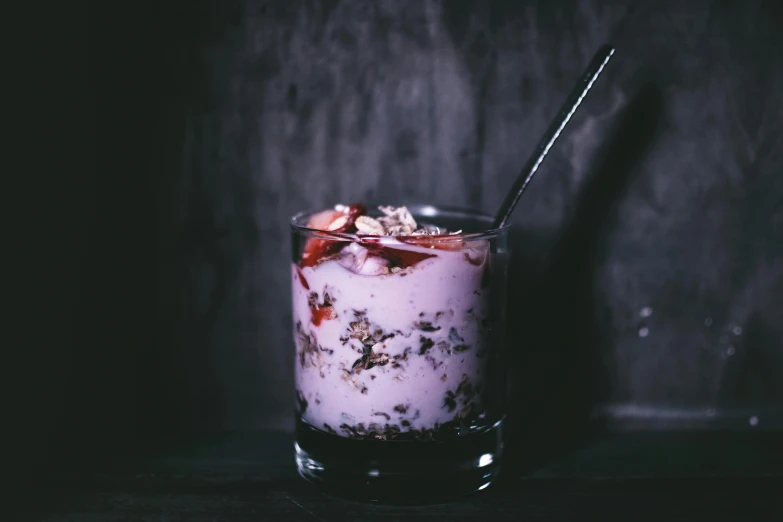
x=568, y=109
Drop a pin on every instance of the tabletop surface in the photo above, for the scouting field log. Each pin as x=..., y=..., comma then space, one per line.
x=687, y=476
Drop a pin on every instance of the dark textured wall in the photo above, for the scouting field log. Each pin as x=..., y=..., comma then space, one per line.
x=647, y=286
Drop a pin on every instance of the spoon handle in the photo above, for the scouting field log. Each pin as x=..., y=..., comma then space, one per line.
x=568, y=109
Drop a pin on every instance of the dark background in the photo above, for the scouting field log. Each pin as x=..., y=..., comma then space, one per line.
x=647, y=284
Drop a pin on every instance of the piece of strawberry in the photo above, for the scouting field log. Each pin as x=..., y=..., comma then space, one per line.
x=339, y=221
x=302, y=279
x=396, y=257
x=322, y=220
x=442, y=242
x=323, y=313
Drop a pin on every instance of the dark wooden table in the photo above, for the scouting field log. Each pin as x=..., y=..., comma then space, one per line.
x=666, y=477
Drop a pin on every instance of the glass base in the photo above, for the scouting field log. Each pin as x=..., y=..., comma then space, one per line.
x=399, y=472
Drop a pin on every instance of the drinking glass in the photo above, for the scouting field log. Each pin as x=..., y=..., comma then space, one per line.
x=399, y=372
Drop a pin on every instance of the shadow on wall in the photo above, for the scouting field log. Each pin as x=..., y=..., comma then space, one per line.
x=556, y=320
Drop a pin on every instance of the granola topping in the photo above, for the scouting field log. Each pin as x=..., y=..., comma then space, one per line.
x=396, y=221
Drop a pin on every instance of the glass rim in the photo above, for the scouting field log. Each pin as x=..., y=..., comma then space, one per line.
x=418, y=211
